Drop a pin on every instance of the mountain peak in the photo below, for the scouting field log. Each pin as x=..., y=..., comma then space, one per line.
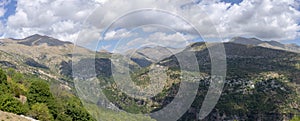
x=38, y=39
x=246, y=41
x=268, y=44
x=36, y=35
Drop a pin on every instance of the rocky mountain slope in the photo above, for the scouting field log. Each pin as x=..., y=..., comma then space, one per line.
x=261, y=84
x=268, y=44
x=49, y=60
x=147, y=55
x=262, y=76
x=37, y=54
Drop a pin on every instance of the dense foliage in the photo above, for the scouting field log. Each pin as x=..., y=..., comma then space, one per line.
x=28, y=95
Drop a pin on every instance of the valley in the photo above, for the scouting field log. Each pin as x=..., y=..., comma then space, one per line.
x=262, y=83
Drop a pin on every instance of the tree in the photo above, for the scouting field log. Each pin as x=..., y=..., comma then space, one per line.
x=77, y=112
x=39, y=92
x=17, y=77
x=41, y=112
x=63, y=117
x=3, y=78
x=10, y=104
x=4, y=89
x=296, y=118
x=10, y=72
x=4, y=86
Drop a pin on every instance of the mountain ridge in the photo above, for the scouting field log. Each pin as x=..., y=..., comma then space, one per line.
x=268, y=44
x=257, y=71
x=37, y=39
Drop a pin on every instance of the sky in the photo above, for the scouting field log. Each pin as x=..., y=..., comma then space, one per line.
x=172, y=22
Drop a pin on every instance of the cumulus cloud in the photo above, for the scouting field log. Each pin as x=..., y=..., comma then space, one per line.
x=266, y=19
x=119, y=34
x=60, y=19
x=2, y=11
x=175, y=40
x=261, y=18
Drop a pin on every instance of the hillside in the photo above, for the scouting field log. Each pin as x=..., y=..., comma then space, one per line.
x=48, y=61
x=256, y=77
x=261, y=84
x=262, y=80
x=40, y=55
x=267, y=44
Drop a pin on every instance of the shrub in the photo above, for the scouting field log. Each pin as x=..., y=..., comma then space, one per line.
x=41, y=112
x=10, y=104
x=39, y=92
x=3, y=78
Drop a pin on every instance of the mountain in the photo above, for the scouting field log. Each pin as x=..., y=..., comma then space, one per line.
x=262, y=80
x=261, y=84
x=43, y=58
x=148, y=55
x=37, y=39
x=37, y=54
x=267, y=44
x=50, y=58
x=246, y=41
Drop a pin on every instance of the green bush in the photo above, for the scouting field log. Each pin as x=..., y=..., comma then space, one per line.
x=296, y=118
x=3, y=78
x=77, y=112
x=63, y=117
x=44, y=105
x=41, y=112
x=4, y=89
x=39, y=92
x=10, y=104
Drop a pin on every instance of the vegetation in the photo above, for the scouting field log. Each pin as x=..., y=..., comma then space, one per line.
x=261, y=84
x=10, y=104
x=40, y=111
x=27, y=95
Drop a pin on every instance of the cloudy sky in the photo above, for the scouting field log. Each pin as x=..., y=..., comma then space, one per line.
x=173, y=21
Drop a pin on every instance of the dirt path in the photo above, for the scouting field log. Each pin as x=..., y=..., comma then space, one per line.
x=4, y=116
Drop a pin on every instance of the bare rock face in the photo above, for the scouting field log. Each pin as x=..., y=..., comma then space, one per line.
x=22, y=99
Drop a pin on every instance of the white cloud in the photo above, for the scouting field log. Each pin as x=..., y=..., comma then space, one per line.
x=63, y=26
x=105, y=47
x=176, y=40
x=169, y=39
x=20, y=19
x=87, y=36
x=57, y=18
x=119, y=34
x=266, y=19
x=2, y=11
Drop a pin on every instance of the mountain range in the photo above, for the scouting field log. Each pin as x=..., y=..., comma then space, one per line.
x=268, y=44
x=262, y=80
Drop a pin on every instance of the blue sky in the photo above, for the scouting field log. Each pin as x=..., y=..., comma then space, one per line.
x=232, y=1
x=10, y=9
x=264, y=19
